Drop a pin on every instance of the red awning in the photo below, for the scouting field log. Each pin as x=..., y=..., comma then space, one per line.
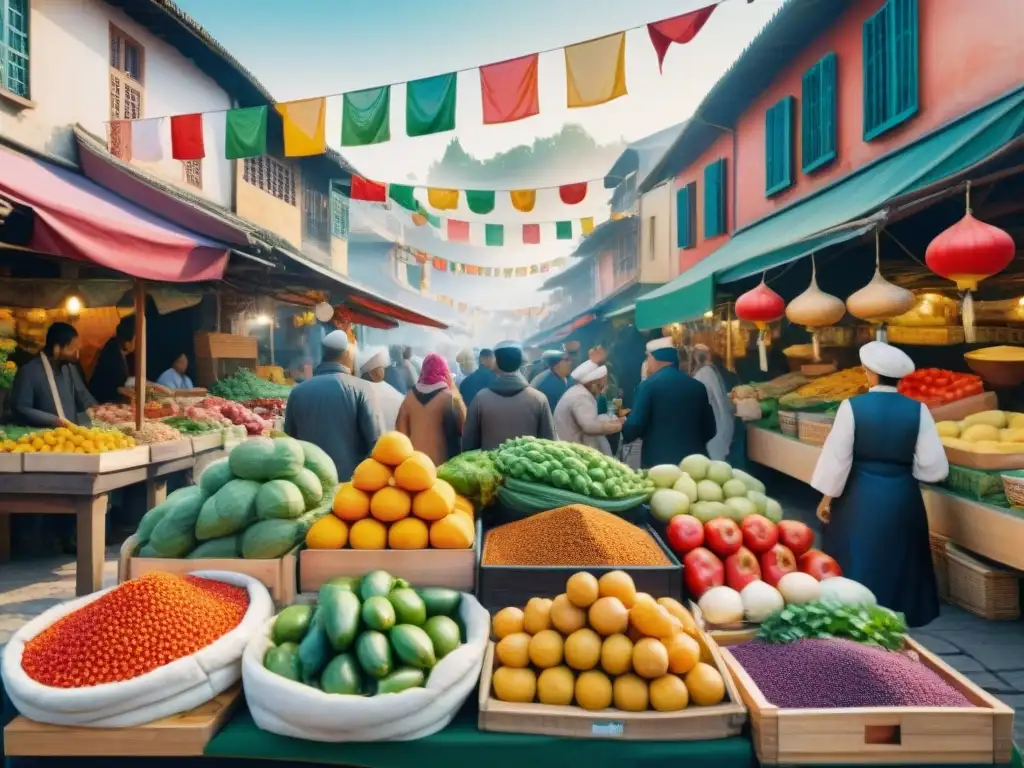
x=78, y=219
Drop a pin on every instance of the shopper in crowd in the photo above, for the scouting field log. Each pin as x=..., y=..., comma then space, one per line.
x=401, y=356
x=433, y=414
x=882, y=445
x=479, y=379
x=554, y=382
x=334, y=410
x=373, y=366
x=671, y=412
x=706, y=373
x=509, y=407
x=576, y=416
x=112, y=370
x=466, y=360
x=48, y=390
x=176, y=377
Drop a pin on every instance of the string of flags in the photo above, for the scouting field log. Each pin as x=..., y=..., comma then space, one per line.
x=595, y=72
x=422, y=258
x=462, y=306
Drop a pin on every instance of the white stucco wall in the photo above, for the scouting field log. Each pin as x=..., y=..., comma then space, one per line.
x=69, y=82
x=657, y=243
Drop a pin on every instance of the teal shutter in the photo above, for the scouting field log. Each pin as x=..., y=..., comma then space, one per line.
x=818, y=115
x=14, y=46
x=714, y=199
x=828, y=110
x=890, y=67
x=682, y=216
x=903, y=47
x=778, y=136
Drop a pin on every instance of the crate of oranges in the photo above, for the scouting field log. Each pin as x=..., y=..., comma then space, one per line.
x=602, y=660
x=395, y=515
x=76, y=449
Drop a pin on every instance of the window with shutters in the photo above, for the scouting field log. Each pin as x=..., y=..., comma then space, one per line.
x=316, y=215
x=714, y=199
x=192, y=171
x=686, y=216
x=127, y=76
x=778, y=147
x=14, y=47
x=818, y=115
x=890, y=67
x=339, y=215
x=270, y=176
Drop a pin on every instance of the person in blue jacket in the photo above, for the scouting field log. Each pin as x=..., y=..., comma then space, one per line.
x=671, y=413
x=554, y=382
x=479, y=379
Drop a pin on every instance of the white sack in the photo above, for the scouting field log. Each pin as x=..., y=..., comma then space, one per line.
x=288, y=708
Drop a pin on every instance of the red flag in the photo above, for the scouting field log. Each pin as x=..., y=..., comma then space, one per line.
x=509, y=90
x=440, y=264
x=531, y=234
x=573, y=193
x=187, y=137
x=369, y=191
x=679, y=29
x=458, y=231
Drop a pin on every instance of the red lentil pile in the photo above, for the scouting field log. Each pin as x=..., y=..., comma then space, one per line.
x=135, y=628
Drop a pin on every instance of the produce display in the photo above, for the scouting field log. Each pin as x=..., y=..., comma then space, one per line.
x=244, y=385
x=116, y=413
x=236, y=413
x=151, y=432
x=473, y=476
x=770, y=390
x=267, y=407
x=191, y=426
x=934, y=386
x=859, y=622
x=602, y=645
x=258, y=503
x=73, y=439
x=573, y=535
x=834, y=388
x=160, y=409
x=985, y=432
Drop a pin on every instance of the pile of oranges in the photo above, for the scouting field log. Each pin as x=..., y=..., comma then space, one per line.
x=602, y=644
x=73, y=439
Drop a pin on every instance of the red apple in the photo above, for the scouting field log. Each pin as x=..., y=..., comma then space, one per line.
x=722, y=536
x=702, y=571
x=684, y=533
x=819, y=565
x=797, y=536
x=759, y=534
x=741, y=568
x=776, y=563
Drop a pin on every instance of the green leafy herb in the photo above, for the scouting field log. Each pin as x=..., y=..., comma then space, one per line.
x=872, y=625
x=245, y=385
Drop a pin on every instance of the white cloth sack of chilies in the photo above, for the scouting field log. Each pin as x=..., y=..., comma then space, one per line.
x=176, y=687
x=288, y=708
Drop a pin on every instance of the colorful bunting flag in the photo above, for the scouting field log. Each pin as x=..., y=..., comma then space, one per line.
x=405, y=196
x=472, y=269
x=595, y=71
x=545, y=267
x=572, y=194
x=458, y=231
x=119, y=139
x=522, y=271
x=419, y=219
x=440, y=264
x=494, y=234
x=523, y=200
x=531, y=234
x=303, y=124
x=563, y=230
x=245, y=133
x=366, y=117
x=480, y=201
x=509, y=90
x=430, y=104
x=187, y=137
x=368, y=191
x=587, y=225
x=534, y=269
x=680, y=29
x=147, y=140
x=508, y=272
x=443, y=199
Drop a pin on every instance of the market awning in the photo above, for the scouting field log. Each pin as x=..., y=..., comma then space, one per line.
x=829, y=217
x=78, y=219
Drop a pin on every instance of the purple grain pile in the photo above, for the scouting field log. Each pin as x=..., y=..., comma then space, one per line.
x=831, y=674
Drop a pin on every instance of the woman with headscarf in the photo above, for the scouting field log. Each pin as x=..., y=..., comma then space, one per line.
x=576, y=417
x=706, y=373
x=882, y=445
x=433, y=414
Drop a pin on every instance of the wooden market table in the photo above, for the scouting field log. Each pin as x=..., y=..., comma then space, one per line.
x=992, y=532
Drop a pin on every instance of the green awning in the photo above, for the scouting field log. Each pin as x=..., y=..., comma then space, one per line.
x=818, y=221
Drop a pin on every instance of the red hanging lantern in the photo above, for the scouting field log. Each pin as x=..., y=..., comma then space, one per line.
x=967, y=253
x=760, y=306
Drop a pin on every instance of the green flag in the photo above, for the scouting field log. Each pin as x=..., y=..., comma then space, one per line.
x=563, y=230
x=366, y=117
x=494, y=234
x=246, y=133
x=480, y=200
x=403, y=194
x=430, y=104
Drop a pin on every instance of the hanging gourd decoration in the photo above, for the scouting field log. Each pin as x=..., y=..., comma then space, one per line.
x=760, y=306
x=879, y=300
x=814, y=309
x=967, y=253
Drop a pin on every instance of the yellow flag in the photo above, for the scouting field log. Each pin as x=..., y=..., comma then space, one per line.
x=523, y=200
x=595, y=71
x=587, y=225
x=443, y=199
x=303, y=123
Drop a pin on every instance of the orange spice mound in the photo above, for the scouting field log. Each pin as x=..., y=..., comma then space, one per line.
x=135, y=628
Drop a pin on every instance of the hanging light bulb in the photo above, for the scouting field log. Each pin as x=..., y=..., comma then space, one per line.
x=73, y=305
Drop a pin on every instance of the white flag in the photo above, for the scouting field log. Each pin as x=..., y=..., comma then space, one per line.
x=148, y=139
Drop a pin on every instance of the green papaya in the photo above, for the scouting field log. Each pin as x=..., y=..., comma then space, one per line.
x=413, y=646
x=440, y=601
x=315, y=649
x=292, y=623
x=374, y=653
x=444, y=635
x=341, y=617
x=377, y=613
x=342, y=675
x=401, y=679
x=283, y=660
x=379, y=584
x=409, y=607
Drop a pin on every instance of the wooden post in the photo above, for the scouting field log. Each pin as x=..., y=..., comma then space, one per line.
x=140, y=353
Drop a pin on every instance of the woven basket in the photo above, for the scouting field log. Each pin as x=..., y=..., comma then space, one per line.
x=982, y=588
x=788, y=423
x=813, y=428
x=1013, y=487
x=940, y=563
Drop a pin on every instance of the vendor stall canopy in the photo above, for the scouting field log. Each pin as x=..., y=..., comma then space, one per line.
x=840, y=212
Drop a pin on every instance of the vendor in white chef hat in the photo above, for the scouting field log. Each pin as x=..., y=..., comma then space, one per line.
x=373, y=364
x=576, y=417
x=881, y=446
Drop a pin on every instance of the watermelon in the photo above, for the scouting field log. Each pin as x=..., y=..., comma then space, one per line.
x=279, y=499
x=187, y=496
x=215, y=476
x=230, y=510
x=320, y=464
x=175, y=534
x=260, y=458
x=309, y=485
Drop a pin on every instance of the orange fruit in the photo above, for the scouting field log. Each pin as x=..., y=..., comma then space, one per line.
x=669, y=694
x=618, y=584
x=581, y=589
x=608, y=616
x=566, y=617
x=617, y=655
x=705, y=685
x=683, y=652
x=650, y=658
x=507, y=622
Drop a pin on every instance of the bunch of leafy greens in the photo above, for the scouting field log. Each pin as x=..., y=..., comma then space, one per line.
x=872, y=625
x=244, y=385
x=473, y=475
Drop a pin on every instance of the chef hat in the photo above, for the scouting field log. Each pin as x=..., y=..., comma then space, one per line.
x=663, y=350
x=885, y=360
x=375, y=357
x=665, y=342
x=588, y=372
x=336, y=341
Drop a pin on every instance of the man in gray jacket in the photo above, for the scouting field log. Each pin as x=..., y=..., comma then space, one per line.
x=334, y=410
x=508, y=407
x=32, y=401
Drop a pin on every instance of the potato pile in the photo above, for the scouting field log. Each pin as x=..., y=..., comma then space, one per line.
x=985, y=432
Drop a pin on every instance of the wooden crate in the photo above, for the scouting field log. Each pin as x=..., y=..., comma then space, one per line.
x=182, y=735
x=11, y=462
x=277, y=575
x=982, y=588
x=988, y=461
x=226, y=345
x=452, y=568
x=87, y=464
x=879, y=735
x=169, y=451
x=691, y=724
x=959, y=409
x=940, y=563
x=209, y=441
